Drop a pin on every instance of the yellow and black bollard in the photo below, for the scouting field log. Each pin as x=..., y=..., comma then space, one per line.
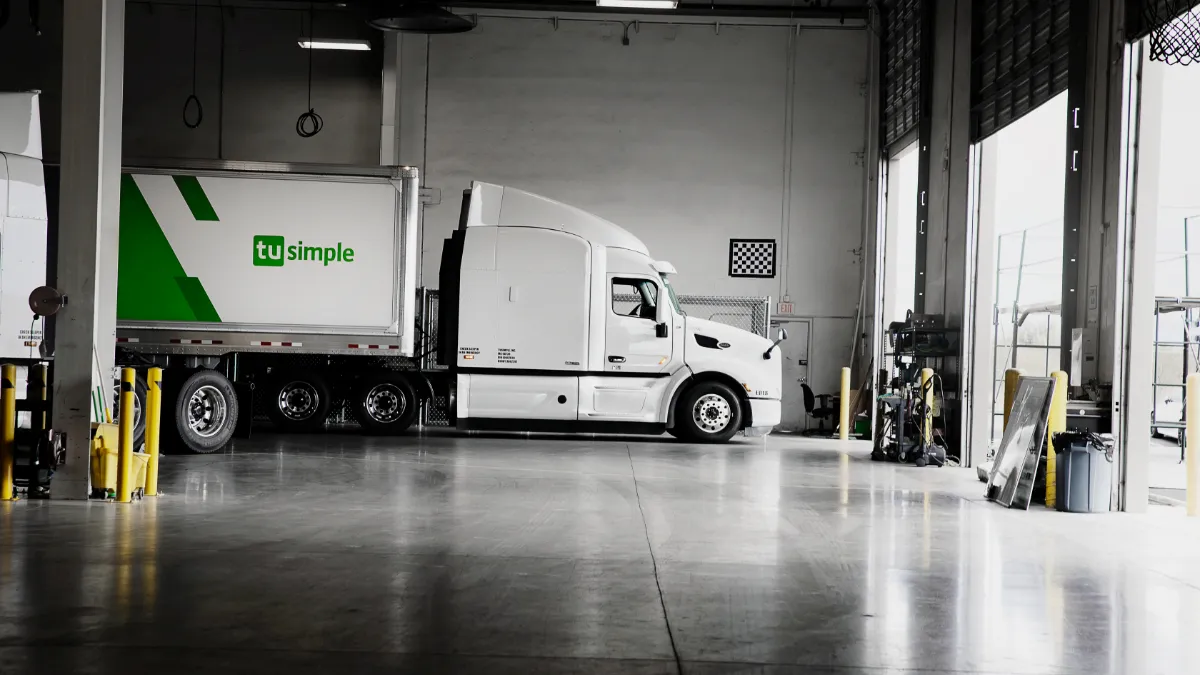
x=153, y=417
x=927, y=406
x=125, y=438
x=8, y=428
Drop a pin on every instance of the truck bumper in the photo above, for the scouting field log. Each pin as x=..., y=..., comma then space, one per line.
x=765, y=413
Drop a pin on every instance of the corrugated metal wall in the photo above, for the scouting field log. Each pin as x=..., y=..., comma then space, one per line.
x=1019, y=60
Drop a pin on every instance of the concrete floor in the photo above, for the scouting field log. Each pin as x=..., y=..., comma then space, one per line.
x=338, y=554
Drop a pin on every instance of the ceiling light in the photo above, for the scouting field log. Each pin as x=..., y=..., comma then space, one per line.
x=639, y=4
x=335, y=43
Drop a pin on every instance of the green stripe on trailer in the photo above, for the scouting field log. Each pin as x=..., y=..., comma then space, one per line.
x=151, y=282
x=196, y=200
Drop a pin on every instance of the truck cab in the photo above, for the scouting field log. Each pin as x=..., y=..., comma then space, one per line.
x=554, y=319
x=22, y=224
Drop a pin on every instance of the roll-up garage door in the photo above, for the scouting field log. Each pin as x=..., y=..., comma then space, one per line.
x=1019, y=60
x=901, y=24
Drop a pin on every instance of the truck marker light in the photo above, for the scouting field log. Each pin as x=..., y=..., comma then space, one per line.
x=748, y=389
x=662, y=360
x=468, y=357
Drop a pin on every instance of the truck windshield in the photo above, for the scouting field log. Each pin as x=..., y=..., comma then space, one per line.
x=671, y=294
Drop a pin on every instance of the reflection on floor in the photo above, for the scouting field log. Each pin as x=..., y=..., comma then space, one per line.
x=338, y=554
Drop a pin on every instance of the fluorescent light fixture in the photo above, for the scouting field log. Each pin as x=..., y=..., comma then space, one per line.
x=639, y=4
x=335, y=43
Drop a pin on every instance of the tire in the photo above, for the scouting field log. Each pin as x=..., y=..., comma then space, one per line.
x=298, y=402
x=206, y=412
x=713, y=403
x=139, y=407
x=386, y=405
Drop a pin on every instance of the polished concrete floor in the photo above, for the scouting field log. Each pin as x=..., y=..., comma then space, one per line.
x=444, y=554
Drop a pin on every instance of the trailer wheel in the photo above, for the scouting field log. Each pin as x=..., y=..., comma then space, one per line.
x=299, y=402
x=206, y=411
x=139, y=406
x=386, y=405
x=709, y=412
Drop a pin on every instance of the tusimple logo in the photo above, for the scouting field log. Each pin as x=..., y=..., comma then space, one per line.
x=268, y=251
x=272, y=251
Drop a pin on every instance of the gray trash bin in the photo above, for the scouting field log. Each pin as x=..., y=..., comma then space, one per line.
x=1083, y=472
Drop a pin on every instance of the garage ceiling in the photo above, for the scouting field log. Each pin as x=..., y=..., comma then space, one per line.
x=801, y=9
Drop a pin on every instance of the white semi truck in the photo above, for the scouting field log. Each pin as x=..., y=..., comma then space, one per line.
x=300, y=282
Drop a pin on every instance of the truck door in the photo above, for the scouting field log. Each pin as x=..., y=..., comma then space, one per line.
x=631, y=336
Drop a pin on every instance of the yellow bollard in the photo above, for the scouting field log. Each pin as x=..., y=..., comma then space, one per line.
x=844, y=407
x=1011, y=377
x=8, y=428
x=125, y=438
x=153, y=416
x=1056, y=423
x=1192, y=441
x=927, y=399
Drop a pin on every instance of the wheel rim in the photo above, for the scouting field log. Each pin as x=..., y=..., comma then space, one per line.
x=385, y=403
x=298, y=401
x=137, y=406
x=207, y=410
x=712, y=413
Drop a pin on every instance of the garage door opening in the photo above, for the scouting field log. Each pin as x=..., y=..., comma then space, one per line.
x=1021, y=195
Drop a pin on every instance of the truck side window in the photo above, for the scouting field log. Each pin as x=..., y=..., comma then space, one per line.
x=635, y=297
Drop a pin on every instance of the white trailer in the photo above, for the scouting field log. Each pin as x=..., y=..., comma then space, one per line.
x=296, y=280
x=22, y=224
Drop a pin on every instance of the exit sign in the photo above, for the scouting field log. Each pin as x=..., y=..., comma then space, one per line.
x=787, y=308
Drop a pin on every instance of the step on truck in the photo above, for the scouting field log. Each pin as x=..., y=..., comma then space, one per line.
x=300, y=282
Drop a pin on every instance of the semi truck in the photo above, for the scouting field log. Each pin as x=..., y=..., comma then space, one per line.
x=296, y=286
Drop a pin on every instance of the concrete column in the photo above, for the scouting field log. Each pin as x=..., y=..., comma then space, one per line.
x=89, y=211
x=948, y=222
x=1133, y=393
x=402, y=127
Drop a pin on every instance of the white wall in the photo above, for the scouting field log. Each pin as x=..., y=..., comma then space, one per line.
x=679, y=137
x=251, y=98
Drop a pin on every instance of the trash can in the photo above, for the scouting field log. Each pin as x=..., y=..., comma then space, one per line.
x=1083, y=472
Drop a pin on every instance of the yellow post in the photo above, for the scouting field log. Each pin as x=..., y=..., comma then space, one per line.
x=1192, y=440
x=844, y=406
x=1011, y=377
x=152, y=413
x=125, y=438
x=927, y=399
x=1056, y=423
x=8, y=428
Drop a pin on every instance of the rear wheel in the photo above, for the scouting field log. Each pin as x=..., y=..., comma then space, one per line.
x=386, y=405
x=299, y=402
x=206, y=411
x=709, y=412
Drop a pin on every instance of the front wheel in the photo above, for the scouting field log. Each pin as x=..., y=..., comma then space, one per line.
x=206, y=411
x=386, y=405
x=709, y=412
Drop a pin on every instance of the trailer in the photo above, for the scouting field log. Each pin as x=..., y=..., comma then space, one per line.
x=299, y=282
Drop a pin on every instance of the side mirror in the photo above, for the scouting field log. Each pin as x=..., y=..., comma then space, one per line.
x=781, y=338
x=660, y=330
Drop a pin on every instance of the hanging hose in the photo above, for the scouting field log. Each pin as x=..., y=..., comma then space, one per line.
x=187, y=104
x=309, y=124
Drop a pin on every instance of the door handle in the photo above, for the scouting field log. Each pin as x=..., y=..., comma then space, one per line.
x=616, y=359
